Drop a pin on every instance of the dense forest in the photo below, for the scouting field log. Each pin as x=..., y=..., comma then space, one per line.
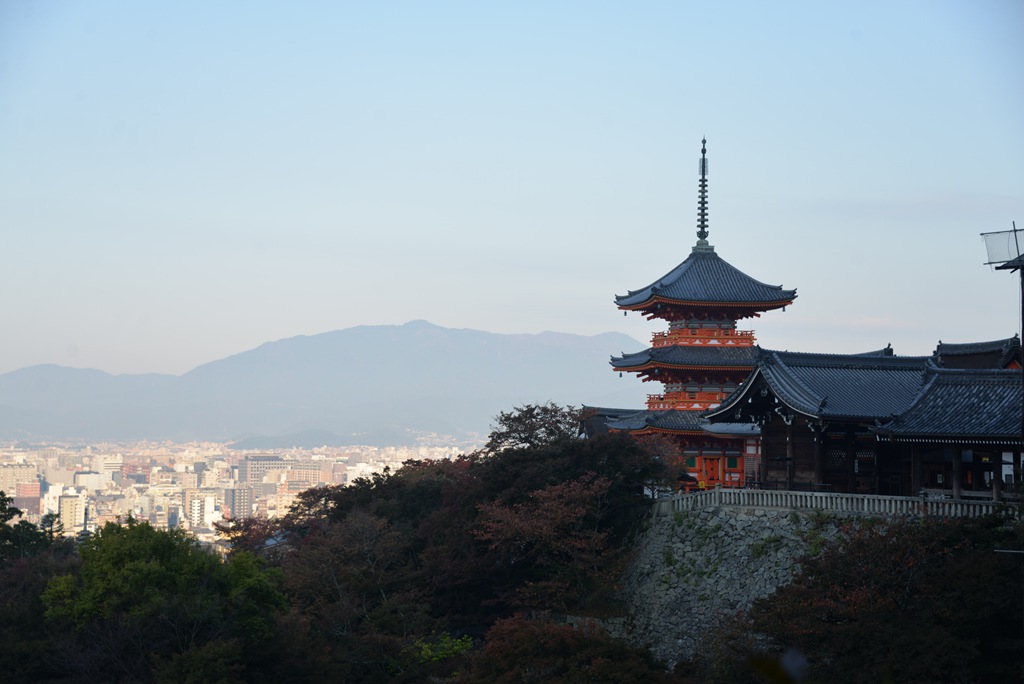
x=465, y=571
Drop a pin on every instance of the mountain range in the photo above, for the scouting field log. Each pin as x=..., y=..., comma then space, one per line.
x=381, y=385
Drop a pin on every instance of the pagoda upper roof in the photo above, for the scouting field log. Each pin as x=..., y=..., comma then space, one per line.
x=705, y=279
x=703, y=356
x=844, y=386
x=971, y=405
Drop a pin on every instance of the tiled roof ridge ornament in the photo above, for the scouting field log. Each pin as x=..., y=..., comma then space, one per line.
x=702, y=202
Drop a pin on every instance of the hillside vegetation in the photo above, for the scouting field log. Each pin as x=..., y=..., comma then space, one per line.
x=465, y=571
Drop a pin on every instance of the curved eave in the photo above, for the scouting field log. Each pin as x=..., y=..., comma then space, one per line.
x=738, y=398
x=952, y=439
x=732, y=430
x=705, y=304
x=669, y=366
x=649, y=430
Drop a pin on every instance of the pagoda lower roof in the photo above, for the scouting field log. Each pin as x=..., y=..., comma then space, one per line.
x=697, y=356
x=659, y=421
x=680, y=422
x=705, y=279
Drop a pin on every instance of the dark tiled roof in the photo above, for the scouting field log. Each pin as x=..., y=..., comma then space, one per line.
x=994, y=354
x=675, y=421
x=839, y=385
x=595, y=419
x=709, y=355
x=600, y=420
x=887, y=351
x=732, y=429
x=836, y=385
x=704, y=277
x=966, y=404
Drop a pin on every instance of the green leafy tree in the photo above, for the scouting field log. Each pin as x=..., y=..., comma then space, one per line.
x=21, y=539
x=52, y=526
x=153, y=605
x=533, y=425
x=28, y=652
x=8, y=511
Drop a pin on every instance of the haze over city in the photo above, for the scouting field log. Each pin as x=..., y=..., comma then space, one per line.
x=180, y=183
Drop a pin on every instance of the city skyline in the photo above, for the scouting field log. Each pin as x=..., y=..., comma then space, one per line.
x=181, y=184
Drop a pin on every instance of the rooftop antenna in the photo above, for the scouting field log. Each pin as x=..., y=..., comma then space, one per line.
x=702, y=201
x=1004, y=253
x=1004, y=248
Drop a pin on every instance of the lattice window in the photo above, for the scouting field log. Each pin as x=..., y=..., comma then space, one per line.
x=835, y=459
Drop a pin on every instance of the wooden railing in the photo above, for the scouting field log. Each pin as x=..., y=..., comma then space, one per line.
x=701, y=336
x=694, y=401
x=857, y=504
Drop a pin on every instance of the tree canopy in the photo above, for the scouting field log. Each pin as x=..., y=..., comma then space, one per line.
x=900, y=600
x=153, y=605
x=466, y=570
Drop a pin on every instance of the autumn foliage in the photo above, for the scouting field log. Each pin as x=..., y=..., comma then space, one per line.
x=895, y=601
x=492, y=567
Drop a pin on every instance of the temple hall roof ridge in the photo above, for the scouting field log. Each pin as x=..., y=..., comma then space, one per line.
x=834, y=385
x=989, y=353
x=971, y=347
x=966, y=403
x=873, y=359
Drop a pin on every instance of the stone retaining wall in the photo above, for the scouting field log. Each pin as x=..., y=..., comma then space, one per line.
x=694, y=570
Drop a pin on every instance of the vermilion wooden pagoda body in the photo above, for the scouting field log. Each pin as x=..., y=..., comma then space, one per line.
x=700, y=359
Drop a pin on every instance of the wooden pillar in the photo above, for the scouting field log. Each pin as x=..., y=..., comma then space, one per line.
x=819, y=457
x=997, y=476
x=790, y=463
x=916, y=470
x=977, y=471
x=762, y=463
x=958, y=476
x=851, y=462
x=877, y=479
x=1017, y=469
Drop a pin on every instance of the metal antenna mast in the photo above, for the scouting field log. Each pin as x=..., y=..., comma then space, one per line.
x=1004, y=248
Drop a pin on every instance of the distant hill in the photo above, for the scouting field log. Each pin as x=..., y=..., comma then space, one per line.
x=378, y=384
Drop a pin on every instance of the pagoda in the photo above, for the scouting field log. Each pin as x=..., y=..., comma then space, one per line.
x=701, y=358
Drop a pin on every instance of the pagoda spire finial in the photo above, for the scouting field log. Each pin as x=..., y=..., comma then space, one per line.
x=702, y=194
x=702, y=197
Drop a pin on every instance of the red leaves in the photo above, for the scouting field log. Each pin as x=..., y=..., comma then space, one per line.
x=556, y=529
x=904, y=600
x=555, y=520
x=522, y=650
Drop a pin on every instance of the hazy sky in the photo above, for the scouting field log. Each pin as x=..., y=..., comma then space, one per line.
x=182, y=181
